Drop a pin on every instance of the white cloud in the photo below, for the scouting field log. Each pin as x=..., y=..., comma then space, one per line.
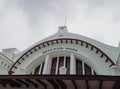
x=14, y=28
x=24, y=22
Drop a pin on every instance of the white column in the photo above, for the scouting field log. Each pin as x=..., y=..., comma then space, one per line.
x=49, y=65
x=72, y=64
x=92, y=71
x=83, y=68
x=40, y=68
x=64, y=61
x=45, y=69
x=56, y=71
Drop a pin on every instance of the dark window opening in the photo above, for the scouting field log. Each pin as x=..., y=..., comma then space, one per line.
x=68, y=65
x=79, y=70
x=37, y=70
x=53, y=67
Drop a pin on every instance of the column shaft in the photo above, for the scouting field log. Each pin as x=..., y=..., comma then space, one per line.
x=45, y=69
x=72, y=64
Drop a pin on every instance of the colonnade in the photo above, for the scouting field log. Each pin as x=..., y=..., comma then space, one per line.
x=63, y=65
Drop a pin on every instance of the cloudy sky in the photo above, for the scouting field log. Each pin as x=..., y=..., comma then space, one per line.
x=25, y=22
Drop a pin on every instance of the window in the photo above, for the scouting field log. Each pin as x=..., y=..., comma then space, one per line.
x=82, y=68
x=79, y=70
x=53, y=67
x=87, y=70
x=61, y=63
x=68, y=65
x=37, y=70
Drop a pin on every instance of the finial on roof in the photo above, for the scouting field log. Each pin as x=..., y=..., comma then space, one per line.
x=62, y=29
x=65, y=20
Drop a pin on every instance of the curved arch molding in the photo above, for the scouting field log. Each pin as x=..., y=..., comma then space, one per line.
x=57, y=41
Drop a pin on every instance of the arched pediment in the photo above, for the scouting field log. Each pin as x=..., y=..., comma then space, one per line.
x=43, y=45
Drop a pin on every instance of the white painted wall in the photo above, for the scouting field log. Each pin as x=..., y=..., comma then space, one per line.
x=85, y=54
x=5, y=64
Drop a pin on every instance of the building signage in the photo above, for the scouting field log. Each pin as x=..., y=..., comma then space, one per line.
x=60, y=48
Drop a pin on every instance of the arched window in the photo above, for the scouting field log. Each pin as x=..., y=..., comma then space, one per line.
x=38, y=70
x=83, y=69
x=64, y=62
x=58, y=62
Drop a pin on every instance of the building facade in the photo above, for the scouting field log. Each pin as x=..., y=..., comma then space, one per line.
x=61, y=61
x=63, y=53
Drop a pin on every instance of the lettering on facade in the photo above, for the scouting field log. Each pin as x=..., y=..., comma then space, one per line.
x=59, y=48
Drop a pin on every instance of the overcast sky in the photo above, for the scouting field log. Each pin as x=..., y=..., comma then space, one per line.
x=25, y=22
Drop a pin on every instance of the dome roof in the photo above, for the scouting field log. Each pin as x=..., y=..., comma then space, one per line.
x=62, y=35
x=62, y=32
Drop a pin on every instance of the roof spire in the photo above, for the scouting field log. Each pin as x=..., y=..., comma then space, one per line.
x=63, y=29
x=65, y=20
